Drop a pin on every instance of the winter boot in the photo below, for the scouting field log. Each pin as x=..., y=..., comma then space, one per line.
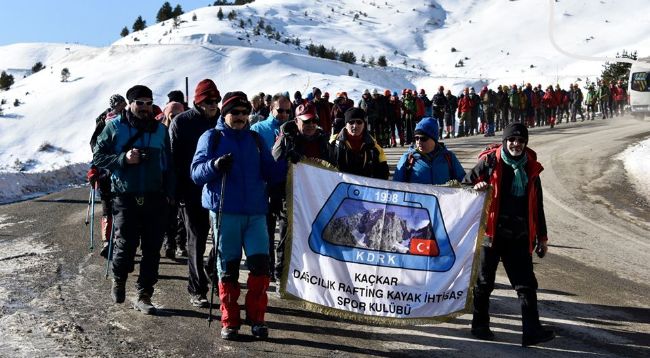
x=144, y=305
x=256, y=298
x=228, y=295
x=118, y=291
x=533, y=332
x=481, y=316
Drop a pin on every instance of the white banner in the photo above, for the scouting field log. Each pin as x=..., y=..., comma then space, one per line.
x=365, y=247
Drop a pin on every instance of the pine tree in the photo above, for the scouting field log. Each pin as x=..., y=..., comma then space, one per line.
x=6, y=80
x=350, y=73
x=220, y=14
x=371, y=61
x=125, y=32
x=348, y=57
x=613, y=72
x=65, y=74
x=139, y=24
x=37, y=67
x=165, y=12
x=232, y=15
x=178, y=11
x=381, y=61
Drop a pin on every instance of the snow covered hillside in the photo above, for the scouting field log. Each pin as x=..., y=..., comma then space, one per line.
x=499, y=42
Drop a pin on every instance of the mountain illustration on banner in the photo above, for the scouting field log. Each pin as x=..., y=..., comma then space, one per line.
x=381, y=227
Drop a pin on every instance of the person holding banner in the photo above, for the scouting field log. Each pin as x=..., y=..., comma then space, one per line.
x=233, y=150
x=298, y=139
x=516, y=226
x=354, y=151
x=428, y=161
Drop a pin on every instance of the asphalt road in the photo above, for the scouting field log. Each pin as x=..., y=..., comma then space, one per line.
x=54, y=300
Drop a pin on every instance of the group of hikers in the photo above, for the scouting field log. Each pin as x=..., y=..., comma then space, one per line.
x=173, y=175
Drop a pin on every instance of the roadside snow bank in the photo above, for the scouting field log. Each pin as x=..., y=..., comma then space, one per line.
x=21, y=186
x=637, y=166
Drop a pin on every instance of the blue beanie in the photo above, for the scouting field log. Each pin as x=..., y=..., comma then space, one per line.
x=429, y=127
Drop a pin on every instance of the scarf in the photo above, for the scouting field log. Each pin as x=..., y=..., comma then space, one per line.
x=520, y=180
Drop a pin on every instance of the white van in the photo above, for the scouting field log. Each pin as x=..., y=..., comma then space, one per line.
x=639, y=88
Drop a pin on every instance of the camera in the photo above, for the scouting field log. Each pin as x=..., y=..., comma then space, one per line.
x=144, y=154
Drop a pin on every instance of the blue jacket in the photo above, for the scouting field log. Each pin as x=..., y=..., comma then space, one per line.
x=268, y=129
x=253, y=165
x=437, y=167
x=153, y=175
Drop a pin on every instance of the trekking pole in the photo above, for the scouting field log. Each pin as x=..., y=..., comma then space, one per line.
x=215, y=247
x=90, y=198
x=110, y=250
x=92, y=218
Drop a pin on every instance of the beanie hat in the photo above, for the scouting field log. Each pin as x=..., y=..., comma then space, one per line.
x=515, y=129
x=387, y=93
x=422, y=91
x=429, y=127
x=234, y=99
x=297, y=95
x=310, y=96
x=374, y=91
x=316, y=91
x=115, y=100
x=176, y=96
x=366, y=91
x=268, y=98
x=354, y=113
x=138, y=91
x=305, y=112
x=206, y=89
x=326, y=95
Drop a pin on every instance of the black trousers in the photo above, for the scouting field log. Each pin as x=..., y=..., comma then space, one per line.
x=138, y=221
x=197, y=225
x=511, y=248
x=175, y=235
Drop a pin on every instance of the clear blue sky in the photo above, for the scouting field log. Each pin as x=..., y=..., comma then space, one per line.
x=87, y=22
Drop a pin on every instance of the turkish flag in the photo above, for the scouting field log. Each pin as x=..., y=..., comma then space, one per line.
x=424, y=247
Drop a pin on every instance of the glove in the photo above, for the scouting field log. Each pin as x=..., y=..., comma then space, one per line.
x=224, y=163
x=541, y=249
x=92, y=175
x=294, y=156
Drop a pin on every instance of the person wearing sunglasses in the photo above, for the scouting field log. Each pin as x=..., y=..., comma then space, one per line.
x=428, y=161
x=353, y=150
x=516, y=227
x=135, y=148
x=233, y=154
x=184, y=133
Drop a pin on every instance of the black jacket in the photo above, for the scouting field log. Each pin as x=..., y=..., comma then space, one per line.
x=184, y=133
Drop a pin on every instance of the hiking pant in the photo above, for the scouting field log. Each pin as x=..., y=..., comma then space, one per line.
x=511, y=247
x=138, y=221
x=197, y=225
x=409, y=122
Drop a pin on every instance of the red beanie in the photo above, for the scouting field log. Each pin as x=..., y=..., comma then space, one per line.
x=206, y=89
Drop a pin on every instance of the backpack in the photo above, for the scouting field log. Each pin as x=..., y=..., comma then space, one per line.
x=489, y=154
x=410, y=162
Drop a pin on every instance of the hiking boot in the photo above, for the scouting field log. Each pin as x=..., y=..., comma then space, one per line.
x=200, y=301
x=483, y=332
x=229, y=333
x=259, y=331
x=118, y=291
x=144, y=305
x=541, y=335
x=170, y=254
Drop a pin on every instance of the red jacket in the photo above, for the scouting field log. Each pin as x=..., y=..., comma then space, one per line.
x=420, y=107
x=465, y=104
x=549, y=100
x=536, y=220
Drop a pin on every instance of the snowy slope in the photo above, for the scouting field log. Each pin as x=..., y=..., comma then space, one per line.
x=50, y=130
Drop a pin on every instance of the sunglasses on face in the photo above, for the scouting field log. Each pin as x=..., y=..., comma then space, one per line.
x=421, y=138
x=236, y=112
x=356, y=121
x=210, y=102
x=516, y=139
x=308, y=121
x=280, y=110
x=143, y=103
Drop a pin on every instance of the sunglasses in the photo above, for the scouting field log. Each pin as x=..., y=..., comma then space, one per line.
x=143, y=103
x=236, y=112
x=210, y=102
x=516, y=139
x=356, y=121
x=308, y=121
x=421, y=138
x=280, y=110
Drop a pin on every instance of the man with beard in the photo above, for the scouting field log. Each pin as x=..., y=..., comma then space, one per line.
x=515, y=228
x=184, y=134
x=135, y=148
